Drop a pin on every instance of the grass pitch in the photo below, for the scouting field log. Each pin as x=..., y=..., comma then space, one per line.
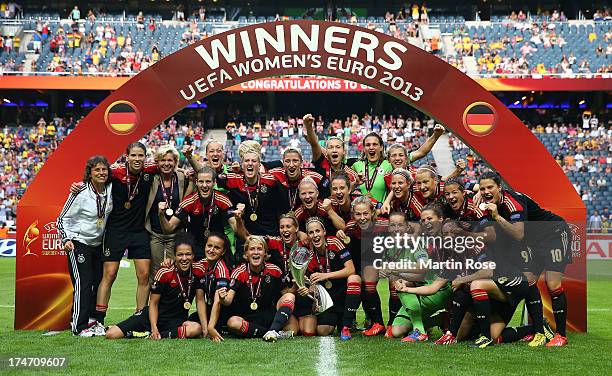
x=586, y=354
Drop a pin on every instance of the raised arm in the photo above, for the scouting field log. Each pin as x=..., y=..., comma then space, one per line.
x=426, y=147
x=312, y=138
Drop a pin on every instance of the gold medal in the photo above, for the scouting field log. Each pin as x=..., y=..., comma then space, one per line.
x=127, y=205
x=99, y=222
x=254, y=306
x=187, y=305
x=169, y=212
x=346, y=240
x=328, y=285
x=253, y=217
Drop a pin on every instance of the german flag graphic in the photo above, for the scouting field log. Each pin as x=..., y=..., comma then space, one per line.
x=479, y=118
x=121, y=117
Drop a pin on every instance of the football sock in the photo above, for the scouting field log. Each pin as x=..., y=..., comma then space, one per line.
x=371, y=301
x=283, y=313
x=559, y=308
x=351, y=303
x=394, y=304
x=178, y=332
x=251, y=330
x=462, y=300
x=509, y=335
x=534, y=307
x=100, y=313
x=482, y=309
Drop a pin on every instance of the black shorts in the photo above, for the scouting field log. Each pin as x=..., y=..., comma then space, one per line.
x=303, y=306
x=554, y=252
x=332, y=316
x=262, y=318
x=139, y=322
x=514, y=287
x=505, y=310
x=221, y=321
x=115, y=243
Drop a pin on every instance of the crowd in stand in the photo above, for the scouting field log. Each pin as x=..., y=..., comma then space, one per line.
x=584, y=149
x=103, y=40
x=352, y=129
x=491, y=60
x=600, y=222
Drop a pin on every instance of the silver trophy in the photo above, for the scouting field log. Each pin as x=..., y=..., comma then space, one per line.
x=299, y=259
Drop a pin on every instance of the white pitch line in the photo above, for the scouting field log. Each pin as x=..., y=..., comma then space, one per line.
x=326, y=365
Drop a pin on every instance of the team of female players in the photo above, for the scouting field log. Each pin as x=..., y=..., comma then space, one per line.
x=224, y=236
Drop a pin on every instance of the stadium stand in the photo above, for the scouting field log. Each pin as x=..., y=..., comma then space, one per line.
x=584, y=155
x=122, y=44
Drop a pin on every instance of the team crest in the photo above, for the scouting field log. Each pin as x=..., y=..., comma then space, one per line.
x=147, y=177
x=264, y=188
x=268, y=278
x=502, y=280
x=381, y=170
x=81, y=259
x=107, y=252
x=332, y=255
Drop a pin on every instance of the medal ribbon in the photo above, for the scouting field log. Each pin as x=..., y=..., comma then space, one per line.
x=208, y=279
x=189, y=283
x=255, y=294
x=293, y=199
x=131, y=194
x=369, y=184
x=100, y=202
x=254, y=203
x=327, y=269
x=286, y=257
x=167, y=198
x=210, y=210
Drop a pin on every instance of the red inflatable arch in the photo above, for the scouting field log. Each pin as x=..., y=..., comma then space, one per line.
x=281, y=48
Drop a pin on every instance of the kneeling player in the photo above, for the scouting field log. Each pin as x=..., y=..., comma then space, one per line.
x=255, y=289
x=172, y=292
x=332, y=267
x=421, y=303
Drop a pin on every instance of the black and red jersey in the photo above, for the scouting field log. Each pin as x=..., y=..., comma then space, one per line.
x=507, y=251
x=288, y=190
x=411, y=207
x=133, y=219
x=468, y=212
x=437, y=196
x=411, y=169
x=216, y=276
x=199, y=215
x=362, y=239
x=266, y=194
x=262, y=288
x=346, y=214
x=541, y=222
x=337, y=256
x=168, y=282
x=302, y=214
x=323, y=167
